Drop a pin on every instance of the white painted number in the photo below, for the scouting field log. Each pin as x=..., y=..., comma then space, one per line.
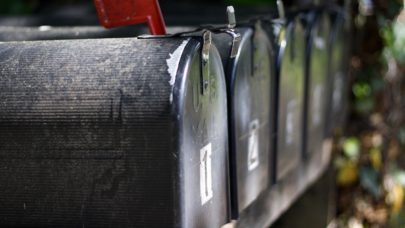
x=316, y=106
x=337, y=92
x=290, y=122
x=253, y=143
x=206, y=174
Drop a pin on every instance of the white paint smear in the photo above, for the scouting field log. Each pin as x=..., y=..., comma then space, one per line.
x=319, y=43
x=316, y=106
x=290, y=122
x=174, y=60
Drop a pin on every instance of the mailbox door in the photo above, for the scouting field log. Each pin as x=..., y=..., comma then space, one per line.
x=291, y=98
x=204, y=143
x=339, y=78
x=251, y=116
x=317, y=81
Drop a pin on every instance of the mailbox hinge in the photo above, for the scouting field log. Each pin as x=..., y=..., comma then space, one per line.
x=236, y=38
x=205, y=65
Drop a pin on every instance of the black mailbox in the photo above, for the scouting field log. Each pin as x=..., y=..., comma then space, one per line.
x=316, y=82
x=249, y=79
x=113, y=132
x=290, y=77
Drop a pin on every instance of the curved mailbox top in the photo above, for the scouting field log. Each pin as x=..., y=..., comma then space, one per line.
x=31, y=33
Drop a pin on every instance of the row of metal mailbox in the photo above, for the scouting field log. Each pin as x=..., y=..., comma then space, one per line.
x=185, y=130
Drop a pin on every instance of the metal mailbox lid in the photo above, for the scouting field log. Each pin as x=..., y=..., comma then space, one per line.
x=291, y=73
x=249, y=77
x=317, y=82
x=116, y=135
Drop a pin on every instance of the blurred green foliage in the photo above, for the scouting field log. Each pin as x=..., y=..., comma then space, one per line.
x=15, y=7
x=351, y=148
x=374, y=150
x=394, y=40
x=369, y=181
x=370, y=76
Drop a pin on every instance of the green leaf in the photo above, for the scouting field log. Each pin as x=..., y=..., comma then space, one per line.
x=361, y=90
x=399, y=177
x=351, y=148
x=397, y=220
x=398, y=46
x=377, y=84
x=369, y=181
x=364, y=106
x=375, y=158
x=401, y=135
x=15, y=7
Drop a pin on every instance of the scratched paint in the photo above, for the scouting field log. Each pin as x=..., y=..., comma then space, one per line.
x=173, y=61
x=173, y=64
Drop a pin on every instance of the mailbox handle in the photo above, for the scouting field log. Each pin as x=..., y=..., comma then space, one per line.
x=116, y=13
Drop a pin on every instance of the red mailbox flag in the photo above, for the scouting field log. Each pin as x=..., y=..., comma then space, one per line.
x=115, y=13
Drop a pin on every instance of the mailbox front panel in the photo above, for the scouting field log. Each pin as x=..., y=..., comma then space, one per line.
x=248, y=78
x=317, y=84
x=251, y=115
x=291, y=98
x=204, y=144
x=339, y=78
